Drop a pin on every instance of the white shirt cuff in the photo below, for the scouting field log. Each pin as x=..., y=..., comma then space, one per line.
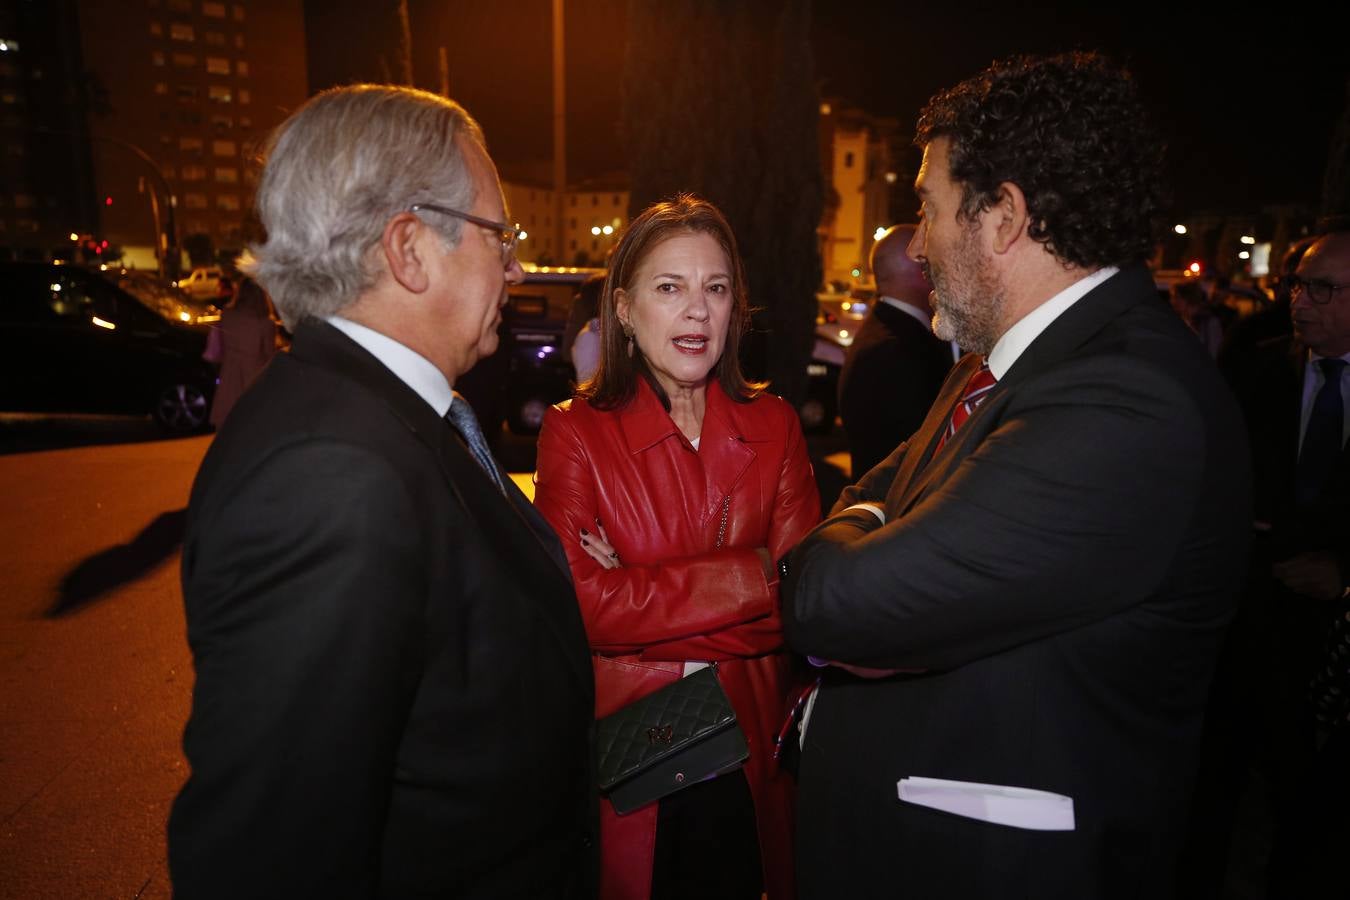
x=874, y=510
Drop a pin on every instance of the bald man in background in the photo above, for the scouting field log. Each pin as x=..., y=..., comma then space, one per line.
x=896, y=365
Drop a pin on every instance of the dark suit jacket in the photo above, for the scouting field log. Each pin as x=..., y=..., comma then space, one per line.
x=1279, y=640
x=1062, y=569
x=394, y=694
x=891, y=376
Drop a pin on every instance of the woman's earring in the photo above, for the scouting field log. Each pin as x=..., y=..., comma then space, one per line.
x=628, y=333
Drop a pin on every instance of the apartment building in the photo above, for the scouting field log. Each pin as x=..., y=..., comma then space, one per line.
x=189, y=91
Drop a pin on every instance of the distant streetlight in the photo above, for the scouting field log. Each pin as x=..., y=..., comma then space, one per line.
x=1180, y=229
x=524, y=234
x=1248, y=239
x=879, y=233
x=595, y=230
x=1244, y=255
x=608, y=229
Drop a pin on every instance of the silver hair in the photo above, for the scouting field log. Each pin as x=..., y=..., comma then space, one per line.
x=337, y=170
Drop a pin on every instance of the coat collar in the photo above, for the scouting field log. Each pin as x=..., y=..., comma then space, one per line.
x=725, y=440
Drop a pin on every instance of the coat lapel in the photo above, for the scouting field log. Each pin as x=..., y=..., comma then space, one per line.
x=724, y=447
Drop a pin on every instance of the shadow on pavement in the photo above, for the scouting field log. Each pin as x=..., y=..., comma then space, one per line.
x=31, y=432
x=95, y=576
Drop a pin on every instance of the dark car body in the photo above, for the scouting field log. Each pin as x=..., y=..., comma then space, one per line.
x=71, y=340
x=531, y=369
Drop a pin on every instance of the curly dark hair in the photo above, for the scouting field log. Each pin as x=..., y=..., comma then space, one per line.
x=1071, y=133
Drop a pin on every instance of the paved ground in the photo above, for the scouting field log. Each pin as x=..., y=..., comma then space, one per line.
x=95, y=674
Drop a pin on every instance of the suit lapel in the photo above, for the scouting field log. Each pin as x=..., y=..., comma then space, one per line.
x=918, y=469
x=526, y=541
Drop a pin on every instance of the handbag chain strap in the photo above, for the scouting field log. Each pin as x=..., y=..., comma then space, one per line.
x=722, y=527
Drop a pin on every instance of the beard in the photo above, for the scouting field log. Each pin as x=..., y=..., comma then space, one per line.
x=967, y=299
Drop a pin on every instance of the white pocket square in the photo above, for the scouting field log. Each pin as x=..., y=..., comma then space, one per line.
x=1014, y=806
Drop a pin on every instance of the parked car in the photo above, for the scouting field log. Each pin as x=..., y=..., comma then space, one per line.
x=158, y=295
x=529, y=372
x=203, y=282
x=838, y=317
x=73, y=341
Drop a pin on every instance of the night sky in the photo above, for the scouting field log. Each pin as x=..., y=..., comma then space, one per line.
x=1248, y=105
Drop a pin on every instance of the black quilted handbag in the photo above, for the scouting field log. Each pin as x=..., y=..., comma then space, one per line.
x=682, y=734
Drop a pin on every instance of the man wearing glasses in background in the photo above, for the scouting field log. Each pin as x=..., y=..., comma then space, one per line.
x=1283, y=696
x=394, y=693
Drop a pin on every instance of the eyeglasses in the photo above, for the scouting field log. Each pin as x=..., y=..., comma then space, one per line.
x=1319, y=292
x=509, y=235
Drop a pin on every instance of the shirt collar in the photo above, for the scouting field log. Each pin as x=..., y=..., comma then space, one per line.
x=925, y=319
x=413, y=369
x=1018, y=338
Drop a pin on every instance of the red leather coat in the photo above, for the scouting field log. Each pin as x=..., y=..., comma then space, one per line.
x=678, y=597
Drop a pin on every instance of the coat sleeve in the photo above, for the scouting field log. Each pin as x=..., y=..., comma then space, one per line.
x=635, y=607
x=1071, y=509
x=305, y=593
x=794, y=510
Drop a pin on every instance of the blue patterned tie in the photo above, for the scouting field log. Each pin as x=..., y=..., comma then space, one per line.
x=462, y=419
x=1322, y=439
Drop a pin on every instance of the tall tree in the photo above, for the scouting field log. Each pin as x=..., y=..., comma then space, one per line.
x=1336, y=179
x=720, y=99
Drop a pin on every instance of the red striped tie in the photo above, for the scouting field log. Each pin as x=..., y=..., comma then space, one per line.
x=979, y=386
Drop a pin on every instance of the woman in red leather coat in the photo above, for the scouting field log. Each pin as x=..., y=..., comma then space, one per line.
x=674, y=485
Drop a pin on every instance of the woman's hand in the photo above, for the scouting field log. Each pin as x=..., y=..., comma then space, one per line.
x=599, y=547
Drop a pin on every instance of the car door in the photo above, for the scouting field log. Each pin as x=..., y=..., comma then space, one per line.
x=123, y=356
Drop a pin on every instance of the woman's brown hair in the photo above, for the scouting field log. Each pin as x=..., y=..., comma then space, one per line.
x=615, y=381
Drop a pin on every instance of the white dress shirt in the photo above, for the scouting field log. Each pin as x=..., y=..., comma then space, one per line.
x=1312, y=383
x=411, y=367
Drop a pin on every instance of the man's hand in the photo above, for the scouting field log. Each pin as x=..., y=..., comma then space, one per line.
x=1314, y=575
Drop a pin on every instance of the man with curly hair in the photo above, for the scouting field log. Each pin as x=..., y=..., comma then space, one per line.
x=1018, y=612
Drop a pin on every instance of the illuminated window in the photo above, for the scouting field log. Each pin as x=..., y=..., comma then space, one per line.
x=220, y=93
x=190, y=144
x=161, y=87
x=156, y=29
x=194, y=201
x=241, y=67
x=194, y=173
x=180, y=32
x=223, y=148
x=215, y=38
x=228, y=202
x=244, y=97
x=217, y=65
x=214, y=10
x=156, y=58
x=184, y=60
x=239, y=41
x=245, y=122
x=227, y=174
